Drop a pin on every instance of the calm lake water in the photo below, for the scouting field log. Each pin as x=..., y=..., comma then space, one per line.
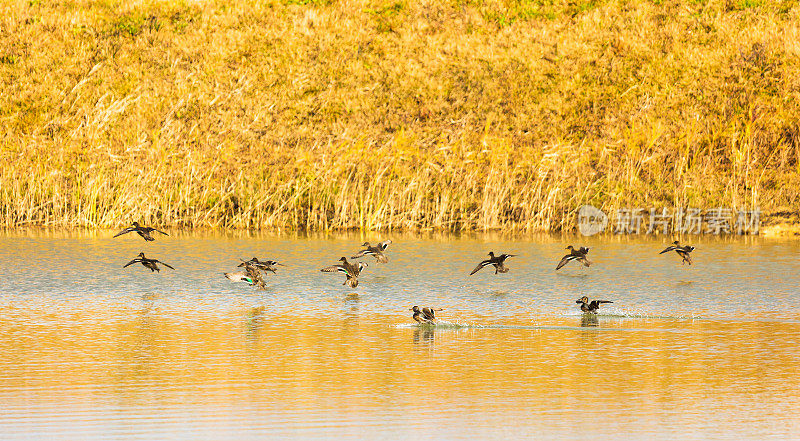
x=94, y=351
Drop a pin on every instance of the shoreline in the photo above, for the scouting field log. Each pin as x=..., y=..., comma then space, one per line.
x=771, y=228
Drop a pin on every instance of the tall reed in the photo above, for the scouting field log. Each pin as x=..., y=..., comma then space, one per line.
x=455, y=115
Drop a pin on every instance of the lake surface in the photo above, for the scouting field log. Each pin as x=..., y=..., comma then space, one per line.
x=93, y=351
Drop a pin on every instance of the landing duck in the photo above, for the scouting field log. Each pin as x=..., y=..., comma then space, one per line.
x=579, y=255
x=497, y=261
x=150, y=264
x=592, y=306
x=376, y=251
x=264, y=265
x=682, y=251
x=426, y=315
x=350, y=270
x=142, y=231
x=253, y=272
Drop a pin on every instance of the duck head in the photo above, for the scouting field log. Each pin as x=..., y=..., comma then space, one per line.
x=343, y=259
x=569, y=248
x=365, y=244
x=491, y=253
x=141, y=254
x=583, y=299
x=415, y=308
x=136, y=224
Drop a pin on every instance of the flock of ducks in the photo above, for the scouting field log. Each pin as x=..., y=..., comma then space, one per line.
x=254, y=269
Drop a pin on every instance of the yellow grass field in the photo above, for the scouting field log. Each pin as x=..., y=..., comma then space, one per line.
x=435, y=115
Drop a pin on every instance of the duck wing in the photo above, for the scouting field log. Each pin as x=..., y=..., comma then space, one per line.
x=480, y=265
x=384, y=244
x=584, y=250
x=238, y=277
x=248, y=262
x=125, y=231
x=363, y=253
x=668, y=249
x=685, y=255
x=166, y=265
x=584, y=261
x=335, y=268
x=159, y=231
x=596, y=303
x=565, y=260
x=430, y=313
x=137, y=260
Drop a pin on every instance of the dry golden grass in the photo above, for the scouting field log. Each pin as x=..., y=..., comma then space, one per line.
x=409, y=114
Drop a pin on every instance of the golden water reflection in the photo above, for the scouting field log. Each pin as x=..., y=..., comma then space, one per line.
x=253, y=373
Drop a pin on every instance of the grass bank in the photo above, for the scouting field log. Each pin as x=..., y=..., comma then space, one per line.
x=401, y=114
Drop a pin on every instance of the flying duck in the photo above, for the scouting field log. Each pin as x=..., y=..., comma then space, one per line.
x=579, y=255
x=253, y=273
x=426, y=315
x=351, y=270
x=264, y=265
x=143, y=231
x=148, y=263
x=682, y=251
x=376, y=251
x=592, y=306
x=497, y=261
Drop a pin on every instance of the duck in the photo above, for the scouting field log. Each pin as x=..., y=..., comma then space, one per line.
x=376, y=251
x=682, y=251
x=426, y=315
x=592, y=306
x=142, y=231
x=239, y=277
x=150, y=264
x=497, y=261
x=264, y=265
x=351, y=270
x=579, y=255
x=253, y=272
